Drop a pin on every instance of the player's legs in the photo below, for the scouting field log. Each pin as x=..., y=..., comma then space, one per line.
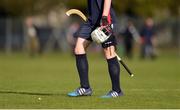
x=113, y=68
x=82, y=42
x=82, y=67
x=82, y=62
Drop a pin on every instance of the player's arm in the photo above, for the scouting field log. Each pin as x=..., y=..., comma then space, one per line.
x=105, y=24
x=107, y=6
x=106, y=20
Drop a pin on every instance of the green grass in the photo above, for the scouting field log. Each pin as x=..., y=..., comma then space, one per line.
x=23, y=80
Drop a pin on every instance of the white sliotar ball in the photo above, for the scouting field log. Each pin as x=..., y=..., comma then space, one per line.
x=39, y=98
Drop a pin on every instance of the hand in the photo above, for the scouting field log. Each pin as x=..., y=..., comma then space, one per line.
x=104, y=21
x=107, y=30
x=106, y=26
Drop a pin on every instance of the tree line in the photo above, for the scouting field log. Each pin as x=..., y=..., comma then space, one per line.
x=138, y=7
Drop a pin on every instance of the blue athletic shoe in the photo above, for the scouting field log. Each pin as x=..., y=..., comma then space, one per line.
x=81, y=92
x=112, y=94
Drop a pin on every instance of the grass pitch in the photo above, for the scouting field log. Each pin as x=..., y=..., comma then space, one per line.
x=43, y=82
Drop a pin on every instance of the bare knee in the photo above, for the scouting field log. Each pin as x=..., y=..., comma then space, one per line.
x=81, y=45
x=79, y=49
x=109, y=52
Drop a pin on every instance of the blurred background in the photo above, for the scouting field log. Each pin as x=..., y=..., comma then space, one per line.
x=37, y=68
x=40, y=26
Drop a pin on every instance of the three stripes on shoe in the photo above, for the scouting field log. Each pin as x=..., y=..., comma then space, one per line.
x=114, y=94
x=81, y=91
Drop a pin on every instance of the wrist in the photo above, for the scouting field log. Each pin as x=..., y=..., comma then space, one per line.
x=104, y=20
x=104, y=17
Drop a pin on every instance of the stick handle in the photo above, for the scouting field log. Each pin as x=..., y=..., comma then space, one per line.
x=125, y=66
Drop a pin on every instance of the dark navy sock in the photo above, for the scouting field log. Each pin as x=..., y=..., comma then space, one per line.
x=114, y=72
x=82, y=67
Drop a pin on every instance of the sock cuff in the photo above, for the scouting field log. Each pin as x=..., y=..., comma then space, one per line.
x=80, y=55
x=114, y=59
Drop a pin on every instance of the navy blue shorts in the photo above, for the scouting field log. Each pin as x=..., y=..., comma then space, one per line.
x=85, y=31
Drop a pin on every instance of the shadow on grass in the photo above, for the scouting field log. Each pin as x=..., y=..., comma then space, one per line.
x=29, y=93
